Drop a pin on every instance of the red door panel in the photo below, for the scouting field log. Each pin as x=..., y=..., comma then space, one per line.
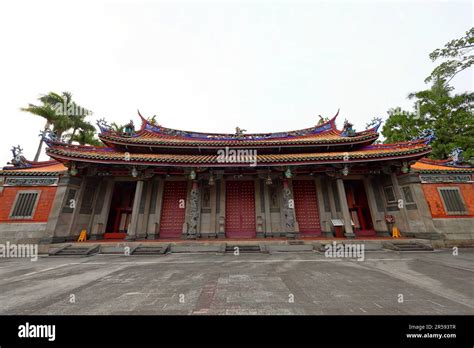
x=306, y=207
x=240, y=209
x=172, y=215
x=359, y=208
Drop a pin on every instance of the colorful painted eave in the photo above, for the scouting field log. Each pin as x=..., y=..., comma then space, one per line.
x=373, y=153
x=319, y=135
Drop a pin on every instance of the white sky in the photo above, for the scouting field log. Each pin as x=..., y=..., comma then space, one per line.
x=260, y=65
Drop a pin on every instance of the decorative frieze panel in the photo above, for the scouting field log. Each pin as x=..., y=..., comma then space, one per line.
x=445, y=178
x=30, y=181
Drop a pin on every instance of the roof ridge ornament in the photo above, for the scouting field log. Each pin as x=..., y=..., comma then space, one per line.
x=456, y=156
x=103, y=125
x=18, y=161
x=374, y=124
x=348, y=130
x=322, y=120
x=426, y=135
x=49, y=136
x=239, y=132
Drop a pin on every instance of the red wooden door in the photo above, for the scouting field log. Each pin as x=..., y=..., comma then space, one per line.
x=306, y=207
x=359, y=208
x=240, y=209
x=173, y=209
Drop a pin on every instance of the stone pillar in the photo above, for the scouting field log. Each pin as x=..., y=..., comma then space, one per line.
x=349, y=232
x=289, y=211
x=332, y=203
x=194, y=212
x=212, y=231
x=157, y=213
x=102, y=209
x=75, y=214
x=268, y=217
x=378, y=219
x=324, y=216
x=55, y=213
x=143, y=224
x=221, y=223
x=132, y=228
x=259, y=217
x=403, y=213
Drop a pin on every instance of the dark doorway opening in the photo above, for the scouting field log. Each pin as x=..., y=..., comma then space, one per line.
x=120, y=210
x=359, y=208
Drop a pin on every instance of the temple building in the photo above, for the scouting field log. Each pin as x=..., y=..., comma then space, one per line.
x=162, y=183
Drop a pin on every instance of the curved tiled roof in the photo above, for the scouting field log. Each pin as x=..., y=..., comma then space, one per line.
x=108, y=155
x=426, y=166
x=155, y=135
x=49, y=168
x=147, y=138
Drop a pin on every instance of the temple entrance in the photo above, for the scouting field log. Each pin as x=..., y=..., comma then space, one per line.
x=120, y=210
x=359, y=208
x=306, y=207
x=173, y=209
x=240, y=209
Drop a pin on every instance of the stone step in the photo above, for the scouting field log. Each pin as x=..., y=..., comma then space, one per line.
x=150, y=250
x=411, y=246
x=296, y=242
x=197, y=248
x=74, y=250
x=424, y=235
x=291, y=248
x=243, y=248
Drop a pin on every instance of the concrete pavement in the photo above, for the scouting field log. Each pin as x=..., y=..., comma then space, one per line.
x=386, y=282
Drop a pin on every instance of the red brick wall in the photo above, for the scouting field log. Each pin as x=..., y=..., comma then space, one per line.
x=436, y=204
x=43, y=208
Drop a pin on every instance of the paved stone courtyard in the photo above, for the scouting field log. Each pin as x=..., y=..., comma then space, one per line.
x=387, y=282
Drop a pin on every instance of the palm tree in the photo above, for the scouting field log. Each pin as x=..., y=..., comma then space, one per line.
x=117, y=128
x=48, y=113
x=74, y=114
x=86, y=137
x=63, y=114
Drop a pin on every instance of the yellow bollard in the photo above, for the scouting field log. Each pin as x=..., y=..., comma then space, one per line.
x=395, y=232
x=82, y=236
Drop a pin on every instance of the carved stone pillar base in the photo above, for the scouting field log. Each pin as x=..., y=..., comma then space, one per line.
x=96, y=237
x=349, y=235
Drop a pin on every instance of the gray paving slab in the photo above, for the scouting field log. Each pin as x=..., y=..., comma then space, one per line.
x=279, y=283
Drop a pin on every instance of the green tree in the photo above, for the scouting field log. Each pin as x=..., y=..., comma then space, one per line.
x=450, y=116
x=459, y=57
x=402, y=125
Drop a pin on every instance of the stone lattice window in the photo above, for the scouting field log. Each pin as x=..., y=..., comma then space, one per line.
x=452, y=200
x=390, y=194
x=25, y=205
x=408, y=195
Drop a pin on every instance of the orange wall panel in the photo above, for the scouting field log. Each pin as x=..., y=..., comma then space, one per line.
x=436, y=204
x=43, y=208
